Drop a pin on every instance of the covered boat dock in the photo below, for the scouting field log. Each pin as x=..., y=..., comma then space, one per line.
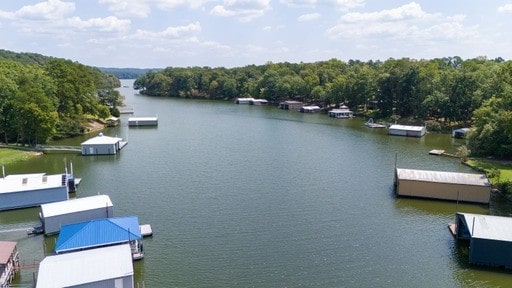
x=455, y=186
x=489, y=237
x=406, y=130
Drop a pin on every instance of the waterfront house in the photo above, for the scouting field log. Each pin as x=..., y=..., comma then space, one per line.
x=99, y=233
x=455, y=186
x=342, y=112
x=407, y=130
x=9, y=262
x=97, y=268
x=290, y=105
x=102, y=145
x=489, y=237
x=142, y=121
x=29, y=190
x=57, y=214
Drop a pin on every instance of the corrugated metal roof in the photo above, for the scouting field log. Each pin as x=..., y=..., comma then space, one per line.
x=97, y=232
x=75, y=205
x=102, y=139
x=87, y=266
x=443, y=177
x=489, y=227
x=6, y=249
x=15, y=183
x=406, y=127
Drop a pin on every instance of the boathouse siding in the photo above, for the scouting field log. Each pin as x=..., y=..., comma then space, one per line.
x=55, y=215
x=290, y=105
x=96, y=268
x=490, y=238
x=29, y=190
x=101, y=145
x=143, y=121
x=465, y=187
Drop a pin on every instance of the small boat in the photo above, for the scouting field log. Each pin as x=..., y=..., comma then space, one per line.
x=372, y=124
x=35, y=230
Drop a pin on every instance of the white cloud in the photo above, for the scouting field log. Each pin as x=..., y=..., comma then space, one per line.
x=108, y=24
x=243, y=10
x=169, y=33
x=299, y=3
x=406, y=22
x=339, y=4
x=308, y=17
x=507, y=8
x=128, y=8
x=48, y=10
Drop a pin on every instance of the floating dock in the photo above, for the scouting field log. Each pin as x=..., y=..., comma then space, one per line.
x=145, y=230
x=436, y=152
x=142, y=121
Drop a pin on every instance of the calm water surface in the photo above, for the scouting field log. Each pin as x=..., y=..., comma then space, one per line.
x=244, y=196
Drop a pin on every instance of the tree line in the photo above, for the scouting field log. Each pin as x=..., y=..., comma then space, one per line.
x=43, y=98
x=443, y=93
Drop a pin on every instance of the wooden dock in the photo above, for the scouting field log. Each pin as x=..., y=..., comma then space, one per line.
x=436, y=152
x=145, y=230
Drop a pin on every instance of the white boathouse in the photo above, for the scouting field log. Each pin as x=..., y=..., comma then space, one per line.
x=310, y=109
x=102, y=145
x=30, y=190
x=102, y=267
x=142, y=121
x=55, y=215
x=454, y=186
x=406, y=130
x=342, y=112
x=244, y=100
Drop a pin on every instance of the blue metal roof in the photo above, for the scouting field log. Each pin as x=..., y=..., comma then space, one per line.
x=98, y=232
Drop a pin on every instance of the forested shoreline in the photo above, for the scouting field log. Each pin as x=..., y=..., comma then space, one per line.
x=44, y=98
x=441, y=93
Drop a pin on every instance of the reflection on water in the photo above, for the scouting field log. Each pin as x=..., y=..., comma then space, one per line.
x=243, y=196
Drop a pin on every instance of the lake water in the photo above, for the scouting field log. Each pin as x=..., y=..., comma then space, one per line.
x=247, y=196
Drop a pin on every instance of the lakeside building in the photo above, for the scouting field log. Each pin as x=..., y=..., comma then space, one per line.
x=290, y=105
x=342, y=113
x=100, y=233
x=102, y=145
x=9, y=262
x=97, y=268
x=30, y=190
x=489, y=238
x=454, y=186
x=407, y=130
x=142, y=121
x=57, y=214
x=310, y=109
x=244, y=100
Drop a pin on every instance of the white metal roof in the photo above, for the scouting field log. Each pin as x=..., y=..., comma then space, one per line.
x=489, y=227
x=36, y=181
x=142, y=119
x=102, y=139
x=75, y=205
x=71, y=269
x=406, y=127
x=443, y=177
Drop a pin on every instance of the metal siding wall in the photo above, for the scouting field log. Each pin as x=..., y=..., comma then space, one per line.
x=32, y=198
x=52, y=224
x=444, y=191
x=490, y=253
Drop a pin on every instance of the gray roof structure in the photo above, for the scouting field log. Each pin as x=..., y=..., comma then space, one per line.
x=488, y=226
x=443, y=177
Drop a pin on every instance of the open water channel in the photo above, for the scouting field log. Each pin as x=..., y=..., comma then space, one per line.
x=247, y=196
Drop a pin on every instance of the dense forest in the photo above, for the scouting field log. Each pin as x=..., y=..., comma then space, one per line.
x=43, y=98
x=127, y=73
x=442, y=93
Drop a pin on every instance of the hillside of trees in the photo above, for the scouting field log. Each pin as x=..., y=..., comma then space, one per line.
x=442, y=93
x=127, y=73
x=43, y=98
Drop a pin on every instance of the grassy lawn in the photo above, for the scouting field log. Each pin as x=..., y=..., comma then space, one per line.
x=11, y=155
x=505, y=168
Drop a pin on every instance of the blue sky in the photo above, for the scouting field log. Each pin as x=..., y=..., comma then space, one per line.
x=233, y=33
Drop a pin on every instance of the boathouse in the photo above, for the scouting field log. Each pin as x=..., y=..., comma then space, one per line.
x=103, y=267
x=29, y=190
x=342, y=112
x=9, y=262
x=290, y=105
x=466, y=187
x=99, y=233
x=55, y=215
x=406, y=130
x=102, y=145
x=310, y=109
x=142, y=121
x=258, y=102
x=244, y=100
x=460, y=133
x=490, y=238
